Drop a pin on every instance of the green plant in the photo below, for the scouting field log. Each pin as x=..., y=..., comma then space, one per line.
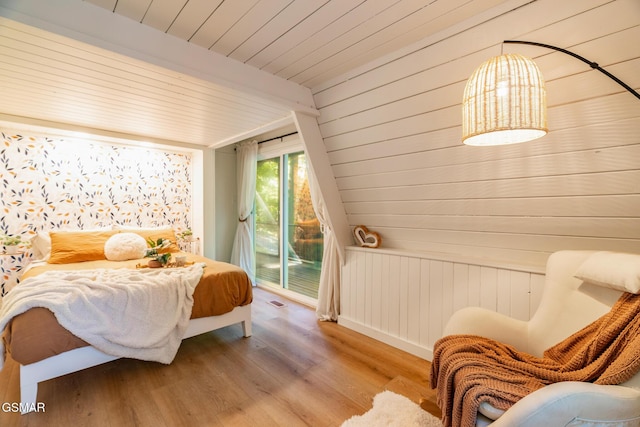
x=164, y=258
x=8, y=240
x=156, y=245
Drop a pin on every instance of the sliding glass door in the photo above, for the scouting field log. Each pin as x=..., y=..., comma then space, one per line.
x=288, y=236
x=267, y=214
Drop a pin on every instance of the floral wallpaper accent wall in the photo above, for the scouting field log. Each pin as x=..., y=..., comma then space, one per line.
x=49, y=183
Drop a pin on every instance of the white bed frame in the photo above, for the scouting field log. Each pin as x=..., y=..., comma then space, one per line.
x=85, y=357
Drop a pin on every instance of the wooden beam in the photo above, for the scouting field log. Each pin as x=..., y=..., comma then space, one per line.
x=87, y=23
x=313, y=143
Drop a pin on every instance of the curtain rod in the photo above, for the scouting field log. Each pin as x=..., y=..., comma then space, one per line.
x=274, y=138
x=278, y=137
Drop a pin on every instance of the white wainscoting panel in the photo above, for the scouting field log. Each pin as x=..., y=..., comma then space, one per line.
x=405, y=299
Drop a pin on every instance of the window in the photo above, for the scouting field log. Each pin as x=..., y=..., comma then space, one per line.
x=286, y=225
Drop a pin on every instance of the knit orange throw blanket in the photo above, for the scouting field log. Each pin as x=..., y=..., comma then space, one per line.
x=468, y=370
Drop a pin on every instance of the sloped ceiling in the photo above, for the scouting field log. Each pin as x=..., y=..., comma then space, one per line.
x=205, y=72
x=307, y=42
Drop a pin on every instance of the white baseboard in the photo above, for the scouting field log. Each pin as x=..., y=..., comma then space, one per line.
x=409, y=347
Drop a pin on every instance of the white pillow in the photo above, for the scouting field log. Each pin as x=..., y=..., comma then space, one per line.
x=613, y=270
x=41, y=246
x=125, y=246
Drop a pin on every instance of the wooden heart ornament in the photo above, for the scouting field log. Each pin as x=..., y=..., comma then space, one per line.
x=366, y=238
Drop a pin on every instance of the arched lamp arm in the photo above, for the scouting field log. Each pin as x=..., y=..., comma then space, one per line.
x=592, y=64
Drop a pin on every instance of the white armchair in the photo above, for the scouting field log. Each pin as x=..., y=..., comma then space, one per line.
x=567, y=305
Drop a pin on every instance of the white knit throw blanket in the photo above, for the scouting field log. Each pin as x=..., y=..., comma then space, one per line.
x=139, y=314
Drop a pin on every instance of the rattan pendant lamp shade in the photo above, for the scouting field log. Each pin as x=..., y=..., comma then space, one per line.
x=504, y=102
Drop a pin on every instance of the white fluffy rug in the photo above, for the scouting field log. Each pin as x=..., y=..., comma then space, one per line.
x=393, y=410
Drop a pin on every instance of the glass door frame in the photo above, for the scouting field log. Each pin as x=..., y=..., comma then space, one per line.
x=271, y=150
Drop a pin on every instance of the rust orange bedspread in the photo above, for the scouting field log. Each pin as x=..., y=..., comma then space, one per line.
x=36, y=335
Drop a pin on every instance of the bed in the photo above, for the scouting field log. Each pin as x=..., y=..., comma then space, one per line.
x=45, y=350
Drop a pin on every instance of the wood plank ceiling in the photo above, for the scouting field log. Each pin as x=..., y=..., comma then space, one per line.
x=52, y=78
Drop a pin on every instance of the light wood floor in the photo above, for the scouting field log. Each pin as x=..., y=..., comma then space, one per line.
x=293, y=371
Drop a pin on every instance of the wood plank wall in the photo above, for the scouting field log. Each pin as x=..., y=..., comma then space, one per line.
x=405, y=300
x=392, y=131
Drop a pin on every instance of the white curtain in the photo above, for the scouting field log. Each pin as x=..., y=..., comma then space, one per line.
x=247, y=162
x=329, y=287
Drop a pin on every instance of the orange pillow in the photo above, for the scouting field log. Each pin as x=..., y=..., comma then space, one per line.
x=78, y=246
